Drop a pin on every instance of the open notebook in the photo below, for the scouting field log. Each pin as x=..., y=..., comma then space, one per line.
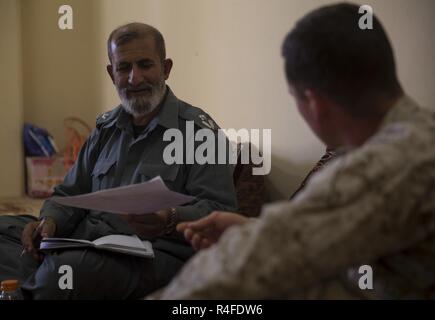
x=118, y=243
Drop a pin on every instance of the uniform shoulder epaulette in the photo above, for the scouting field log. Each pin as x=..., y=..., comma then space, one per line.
x=201, y=118
x=107, y=117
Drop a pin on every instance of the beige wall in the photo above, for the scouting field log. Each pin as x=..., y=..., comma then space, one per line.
x=226, y=60
x=11, y=106
x=59, y=65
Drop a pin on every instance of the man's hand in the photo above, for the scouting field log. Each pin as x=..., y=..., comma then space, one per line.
x=34, y=232
x=148, y=225
x=207, y=231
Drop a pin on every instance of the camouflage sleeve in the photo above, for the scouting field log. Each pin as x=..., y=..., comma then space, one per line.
x=343, y=218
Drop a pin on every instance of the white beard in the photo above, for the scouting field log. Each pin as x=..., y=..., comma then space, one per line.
x=142, y=105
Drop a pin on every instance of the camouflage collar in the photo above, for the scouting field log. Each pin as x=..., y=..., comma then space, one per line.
x=403, y=107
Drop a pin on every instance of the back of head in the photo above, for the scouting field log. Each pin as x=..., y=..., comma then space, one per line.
x=329, y=53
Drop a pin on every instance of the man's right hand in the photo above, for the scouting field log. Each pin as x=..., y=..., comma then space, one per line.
x=34, y=232
x=207, y=231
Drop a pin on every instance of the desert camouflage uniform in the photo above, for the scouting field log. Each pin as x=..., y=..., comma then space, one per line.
x=372, y=205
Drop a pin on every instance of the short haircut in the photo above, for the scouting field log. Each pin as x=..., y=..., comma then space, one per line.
x=132, y=31
x=328, y=52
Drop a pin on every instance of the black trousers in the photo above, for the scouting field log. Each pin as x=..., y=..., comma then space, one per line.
x=96, y=274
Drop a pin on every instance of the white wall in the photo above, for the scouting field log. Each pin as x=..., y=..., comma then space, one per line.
x=11, y=106
x=59, y=66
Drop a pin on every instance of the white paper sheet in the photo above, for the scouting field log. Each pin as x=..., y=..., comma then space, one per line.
x=146, y=197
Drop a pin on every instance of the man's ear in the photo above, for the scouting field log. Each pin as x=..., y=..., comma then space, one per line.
x=109, y=69
x=167, y=66
x=316, y=104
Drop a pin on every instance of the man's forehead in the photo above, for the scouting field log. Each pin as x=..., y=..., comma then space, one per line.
x=144, y=46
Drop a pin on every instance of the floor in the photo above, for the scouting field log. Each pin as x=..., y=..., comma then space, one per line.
x=20, y=205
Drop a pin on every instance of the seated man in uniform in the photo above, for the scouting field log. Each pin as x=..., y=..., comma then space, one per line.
x=373, y=205
x=125, y=148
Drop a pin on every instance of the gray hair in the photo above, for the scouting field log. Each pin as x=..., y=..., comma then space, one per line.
x=136, y=30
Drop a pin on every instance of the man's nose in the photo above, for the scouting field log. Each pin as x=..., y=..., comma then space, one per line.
x=135, y=77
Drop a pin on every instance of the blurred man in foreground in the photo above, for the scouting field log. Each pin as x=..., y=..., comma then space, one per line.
x=374, y=204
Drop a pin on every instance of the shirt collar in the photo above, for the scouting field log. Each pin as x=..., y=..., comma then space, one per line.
x=168, y=115
x=404, y=106
x=400, y=110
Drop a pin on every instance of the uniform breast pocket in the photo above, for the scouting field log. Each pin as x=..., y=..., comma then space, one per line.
x=103, y=174
x=168, y=173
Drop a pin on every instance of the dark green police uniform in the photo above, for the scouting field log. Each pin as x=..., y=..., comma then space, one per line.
x=114, y=156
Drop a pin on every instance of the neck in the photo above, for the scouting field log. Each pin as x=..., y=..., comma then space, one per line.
x=358, y=133
x=357, y=130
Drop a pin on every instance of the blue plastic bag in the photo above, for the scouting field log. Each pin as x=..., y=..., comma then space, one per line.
x=37, y=142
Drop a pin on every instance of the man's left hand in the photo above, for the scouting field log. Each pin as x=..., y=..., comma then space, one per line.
x=148, y=225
